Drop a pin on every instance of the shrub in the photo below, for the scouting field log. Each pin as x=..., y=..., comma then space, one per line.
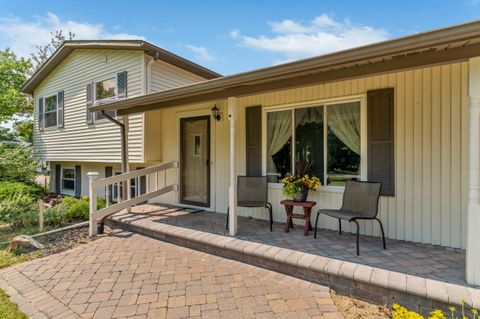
x=75, y=208
x=9, y=189
x=54, y=216
x=20, y=210
x=400, y=312
x=17, y=163
x=79, y=208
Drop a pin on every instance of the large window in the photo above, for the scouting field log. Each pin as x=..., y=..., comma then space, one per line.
x=327, y=136
x=105, y=91
x=50, y=113
x=68, y=180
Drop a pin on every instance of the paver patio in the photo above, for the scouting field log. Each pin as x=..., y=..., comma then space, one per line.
x=125, y=275
x=428, y=261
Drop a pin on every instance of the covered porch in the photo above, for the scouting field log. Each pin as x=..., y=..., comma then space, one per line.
x=434, y=158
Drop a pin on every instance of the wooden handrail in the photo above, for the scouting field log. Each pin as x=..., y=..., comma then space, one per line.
x=95, y=184
x=133, y=174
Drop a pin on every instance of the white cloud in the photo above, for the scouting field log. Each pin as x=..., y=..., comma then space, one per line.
x=234, y=33
x=201, y=54
x=296, y=39
x=22, y=36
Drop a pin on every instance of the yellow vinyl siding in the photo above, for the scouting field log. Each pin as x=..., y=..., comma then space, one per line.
x=166, y=76
x=77, y=141
x=431, y=151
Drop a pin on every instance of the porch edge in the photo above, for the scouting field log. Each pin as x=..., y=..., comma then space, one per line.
x=364, y=282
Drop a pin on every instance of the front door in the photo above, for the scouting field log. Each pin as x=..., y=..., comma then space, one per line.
x=195, y=161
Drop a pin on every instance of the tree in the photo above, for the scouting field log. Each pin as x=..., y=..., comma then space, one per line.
x=13, y=74
x=23, y=130
x=17, y=163
x=45, y=51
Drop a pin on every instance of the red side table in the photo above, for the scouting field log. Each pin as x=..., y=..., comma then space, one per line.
x=307, y=211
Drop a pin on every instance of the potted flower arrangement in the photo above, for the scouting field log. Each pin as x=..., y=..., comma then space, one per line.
x=297, y=187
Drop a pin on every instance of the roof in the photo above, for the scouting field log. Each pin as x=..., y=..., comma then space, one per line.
x=457, y=42
x=69, y=46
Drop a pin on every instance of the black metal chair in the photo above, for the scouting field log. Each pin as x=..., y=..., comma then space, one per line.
x=252, y=191
x=360, y=202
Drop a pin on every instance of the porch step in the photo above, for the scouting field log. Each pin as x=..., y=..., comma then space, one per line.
x=368, y=283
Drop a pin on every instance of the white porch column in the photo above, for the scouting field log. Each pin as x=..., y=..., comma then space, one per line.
x=92, y=176
x=473, y=221
x=232, y=192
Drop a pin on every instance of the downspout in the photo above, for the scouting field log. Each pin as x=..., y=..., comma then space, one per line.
x=124, y=156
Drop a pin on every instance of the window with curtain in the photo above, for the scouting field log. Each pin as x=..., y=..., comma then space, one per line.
x=328, y=136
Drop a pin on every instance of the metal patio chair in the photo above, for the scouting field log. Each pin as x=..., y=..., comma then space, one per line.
x=252, y=191
x=360, y=202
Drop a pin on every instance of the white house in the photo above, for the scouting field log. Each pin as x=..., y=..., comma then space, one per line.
x=404, y=112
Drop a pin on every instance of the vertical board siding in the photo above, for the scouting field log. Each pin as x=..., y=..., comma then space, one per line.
x=431, y=155
x=77, y=141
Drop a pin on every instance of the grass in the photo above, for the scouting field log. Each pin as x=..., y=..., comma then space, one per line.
x=10, y=259
x=8, y=309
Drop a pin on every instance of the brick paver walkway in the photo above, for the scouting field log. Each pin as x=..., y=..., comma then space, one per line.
x=125, y=275
x=433, y=262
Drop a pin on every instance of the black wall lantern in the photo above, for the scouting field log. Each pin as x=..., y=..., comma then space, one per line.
x=216, y=113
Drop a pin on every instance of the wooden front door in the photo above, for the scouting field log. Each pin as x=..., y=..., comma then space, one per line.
x=195, y=161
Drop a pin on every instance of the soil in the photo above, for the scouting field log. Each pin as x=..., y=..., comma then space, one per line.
x=356, y=309
x=65, y=240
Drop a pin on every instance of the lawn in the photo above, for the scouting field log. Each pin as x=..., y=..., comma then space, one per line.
x=8, y=309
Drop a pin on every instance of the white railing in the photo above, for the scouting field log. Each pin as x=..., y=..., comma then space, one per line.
x=155, y=185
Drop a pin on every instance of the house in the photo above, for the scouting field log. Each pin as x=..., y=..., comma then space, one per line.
x=75, y=141
x=405, y=112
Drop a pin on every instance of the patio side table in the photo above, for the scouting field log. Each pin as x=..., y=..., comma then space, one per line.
x=307, y=211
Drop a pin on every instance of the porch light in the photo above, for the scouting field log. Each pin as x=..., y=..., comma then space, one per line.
x=216, y=113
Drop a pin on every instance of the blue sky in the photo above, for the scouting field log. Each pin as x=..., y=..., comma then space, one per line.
x=227, y=36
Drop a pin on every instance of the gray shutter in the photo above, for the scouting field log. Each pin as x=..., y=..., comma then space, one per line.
x=380, y=139
x=78, y=180
x=122, y=85
x=108, y=173
x=58, y=178
x=40, y=114
x=253, y=119
x=60, y=108
x=89, y=114
x=142, y=183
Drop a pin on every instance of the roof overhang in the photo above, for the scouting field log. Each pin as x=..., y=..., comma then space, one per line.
x=450, y=44
x=68, y=47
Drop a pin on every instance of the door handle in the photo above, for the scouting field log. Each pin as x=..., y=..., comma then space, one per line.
x=208, y=162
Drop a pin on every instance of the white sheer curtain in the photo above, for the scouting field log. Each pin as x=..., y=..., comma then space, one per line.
x=279, y=126
x=344, y=121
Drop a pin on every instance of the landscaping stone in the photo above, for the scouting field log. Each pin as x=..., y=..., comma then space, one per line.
x=24, y=243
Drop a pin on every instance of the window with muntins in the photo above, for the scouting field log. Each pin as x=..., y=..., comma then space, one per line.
x=50, y=112
x=105, y=91
x=327, y=136
x=68, y=179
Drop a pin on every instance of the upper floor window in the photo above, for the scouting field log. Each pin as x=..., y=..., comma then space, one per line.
x=51, y=103
x=50, y=111
x=105, y=90
x=327, y=136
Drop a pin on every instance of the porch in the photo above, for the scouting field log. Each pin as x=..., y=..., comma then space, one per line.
x=419, y=275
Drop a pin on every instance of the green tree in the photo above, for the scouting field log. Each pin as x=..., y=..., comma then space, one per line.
x=23, y=130
x=17, y=163
x=13, y=74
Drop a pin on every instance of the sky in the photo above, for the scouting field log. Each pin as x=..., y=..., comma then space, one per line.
x=226, y=36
